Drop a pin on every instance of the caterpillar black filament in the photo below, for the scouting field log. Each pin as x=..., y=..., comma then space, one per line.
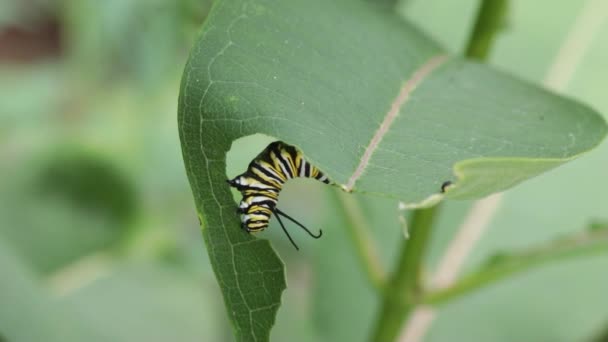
x=262, y=182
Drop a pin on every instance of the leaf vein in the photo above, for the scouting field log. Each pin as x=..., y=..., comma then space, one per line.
x=417, y=77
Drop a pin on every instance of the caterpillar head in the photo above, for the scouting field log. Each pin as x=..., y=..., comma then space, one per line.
x=237, y=182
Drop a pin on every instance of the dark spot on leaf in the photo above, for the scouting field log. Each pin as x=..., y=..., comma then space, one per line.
x=445, y=185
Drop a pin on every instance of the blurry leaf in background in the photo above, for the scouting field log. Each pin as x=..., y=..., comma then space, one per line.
x=9, y=12
x=137, y=39
x=150, y=302
x=341, y=288
x=91, y=183
x=28, y=313
x=70, y=204
x=89, y=159
x=137, y=302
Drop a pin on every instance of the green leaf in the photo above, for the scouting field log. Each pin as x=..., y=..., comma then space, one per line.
x=367, y=98
x=172, y=306
x=558, y=301
x=81, y=203
x=588, y=242
x=28, y=313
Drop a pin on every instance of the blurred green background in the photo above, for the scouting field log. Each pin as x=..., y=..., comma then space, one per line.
x=99, y=239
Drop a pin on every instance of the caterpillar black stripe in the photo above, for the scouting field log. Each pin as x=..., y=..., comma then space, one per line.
x=261, y=184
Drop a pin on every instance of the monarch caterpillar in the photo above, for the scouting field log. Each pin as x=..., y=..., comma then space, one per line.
x=262, y=182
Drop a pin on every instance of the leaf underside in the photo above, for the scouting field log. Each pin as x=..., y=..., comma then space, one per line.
x=323, y=76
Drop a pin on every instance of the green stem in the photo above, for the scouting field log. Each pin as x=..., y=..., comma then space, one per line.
x=580, y=244
x=489, y=20
x=364, y=246
x=404, y=288
x=405, y=285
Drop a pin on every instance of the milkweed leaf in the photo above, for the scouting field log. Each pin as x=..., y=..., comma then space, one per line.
x=369, y=100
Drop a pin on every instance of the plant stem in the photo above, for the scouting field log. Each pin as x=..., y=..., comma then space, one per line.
x=405, y=285
x=490, y=18
x=358, y=230
x=404, y=288
x=580, y=244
